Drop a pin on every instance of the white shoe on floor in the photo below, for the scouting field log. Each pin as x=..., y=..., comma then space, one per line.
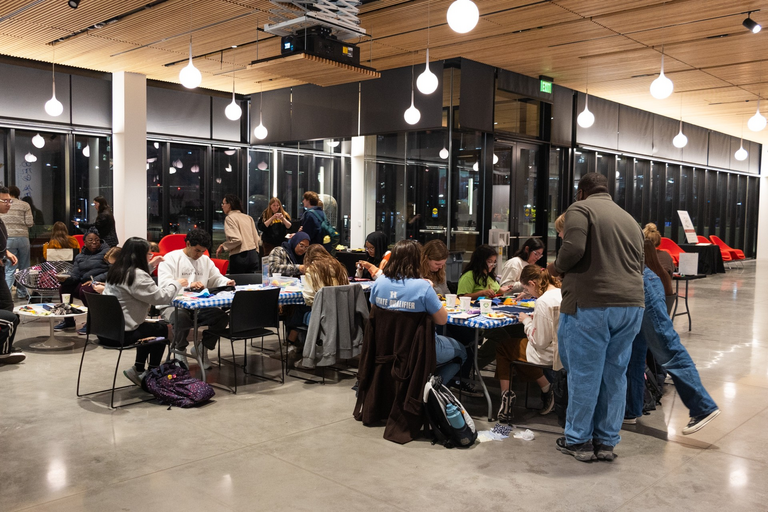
x=181, y=356
x=206, y=361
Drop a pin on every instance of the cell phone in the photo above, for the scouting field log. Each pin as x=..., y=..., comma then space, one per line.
x=47, y=307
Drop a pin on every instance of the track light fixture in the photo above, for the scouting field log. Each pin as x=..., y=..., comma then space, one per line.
x=748, y=23
x=74, y=3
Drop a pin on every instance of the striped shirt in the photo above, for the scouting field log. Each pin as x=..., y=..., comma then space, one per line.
x=19, y=219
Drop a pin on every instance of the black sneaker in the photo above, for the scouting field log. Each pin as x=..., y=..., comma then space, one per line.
x=583, y=452
x=548, y=399
x=699, y=423
x=603, y=451
x=12, y=358
x=467, y=389
x=507, y=403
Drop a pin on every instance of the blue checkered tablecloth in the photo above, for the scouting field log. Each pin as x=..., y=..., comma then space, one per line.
x=224, y=299
x=483, y=322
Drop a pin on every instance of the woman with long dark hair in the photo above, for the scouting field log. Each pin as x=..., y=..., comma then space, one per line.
x=104, y=223
x=530, y=252
x=274, y=224
x=658, y=334
x=242, y=238
x=378, y=256
x=129, y=280
x=401, y=288
x=479, y=277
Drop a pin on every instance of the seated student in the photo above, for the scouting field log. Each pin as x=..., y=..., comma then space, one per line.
x=434, y=254
x=659, y=336
x=531, y=252
x=477, y=281
x=193, y=265
x=130, y=282
x=651, y=232
x=60, y=239
x=288, y=259
x=538, y=347
x=321, y=269
x=378, y=256
x=90, y=262
x=402, y=289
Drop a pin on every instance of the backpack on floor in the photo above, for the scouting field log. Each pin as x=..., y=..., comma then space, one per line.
x=653, y=391
x=172, y=385
x=440, y=404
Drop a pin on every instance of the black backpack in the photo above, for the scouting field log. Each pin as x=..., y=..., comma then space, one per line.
x=327, y=230
x=436, y=398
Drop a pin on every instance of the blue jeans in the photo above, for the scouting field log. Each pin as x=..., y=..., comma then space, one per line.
x=448, y=349
x=595, y=346
x=20, y=247
x=661, y=338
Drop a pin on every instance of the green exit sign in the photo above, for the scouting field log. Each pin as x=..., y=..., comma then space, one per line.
x=545, y=86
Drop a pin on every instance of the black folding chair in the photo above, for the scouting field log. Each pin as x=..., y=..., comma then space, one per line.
x=243, y=279
x=254, y=314
x=105, y=319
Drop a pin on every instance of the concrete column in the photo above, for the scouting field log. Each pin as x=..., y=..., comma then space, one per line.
x=357, y=185
x=129, y=153
x=762, y=213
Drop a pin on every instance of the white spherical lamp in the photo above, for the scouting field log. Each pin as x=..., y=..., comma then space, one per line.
x=38, y=141
x=260, y=132
x=190, y=76
x=586, y=118
x=87, y=151
x=443, y=154
x=757, y=122
x=53, y=107
x=462, y=16
x=741, y=153
x=680, y=140
x=233, y=111
x=662, y=87
x=426, y=83
x=412, y=115
x=29, y=157
x=495, y=159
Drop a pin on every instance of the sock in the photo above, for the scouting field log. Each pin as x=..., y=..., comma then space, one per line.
x=546, y=388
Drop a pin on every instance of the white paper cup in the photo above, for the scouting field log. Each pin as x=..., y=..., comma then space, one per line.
x=485, y=306
x=450, y=300
x=65, y=297
x=464, y=303
x=303, y=280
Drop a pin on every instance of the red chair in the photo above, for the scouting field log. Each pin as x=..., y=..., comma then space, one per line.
x=80, y=240
x=703, y=239
x=222, y=265
x=171, y=243
x=672, y=248
x=736, y=254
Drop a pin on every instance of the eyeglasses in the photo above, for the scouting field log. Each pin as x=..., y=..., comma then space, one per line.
x=490, y=264
x=6, y=201
x=302, y=244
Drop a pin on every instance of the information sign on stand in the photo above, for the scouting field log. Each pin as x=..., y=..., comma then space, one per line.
x=690, y=231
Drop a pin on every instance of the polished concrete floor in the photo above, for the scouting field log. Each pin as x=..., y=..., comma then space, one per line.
x=296, y=446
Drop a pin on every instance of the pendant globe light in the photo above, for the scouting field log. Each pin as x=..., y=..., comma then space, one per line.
x=741, y=153
x=427, y=81
x=412, y=114
x=190, y=76
x=53, y=107
x=757, y=122
x=586, y=118
x=261, y=132
x=443, y=154
x=662, y=87
x=462, y=16
x=38, y=141
x=233, y=110
x=680, y=139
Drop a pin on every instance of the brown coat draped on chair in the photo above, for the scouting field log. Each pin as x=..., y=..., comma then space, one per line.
x=398, y=356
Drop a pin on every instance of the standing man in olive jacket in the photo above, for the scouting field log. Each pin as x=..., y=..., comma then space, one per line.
x=601, y=260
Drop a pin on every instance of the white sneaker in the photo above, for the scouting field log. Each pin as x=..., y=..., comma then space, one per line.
x=180, y=356
x=206, y=361
x=132, y=375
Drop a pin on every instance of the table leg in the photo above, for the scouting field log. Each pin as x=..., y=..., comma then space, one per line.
x=199, y=348
x=52, y=342
x=677, y=297
x=687, y=309
x=480, y=377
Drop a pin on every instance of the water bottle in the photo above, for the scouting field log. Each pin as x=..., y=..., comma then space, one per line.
x=455, y=418
x=264, y=270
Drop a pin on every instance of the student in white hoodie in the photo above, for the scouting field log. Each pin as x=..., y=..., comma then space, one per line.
x=192, y=264
x=130, y=282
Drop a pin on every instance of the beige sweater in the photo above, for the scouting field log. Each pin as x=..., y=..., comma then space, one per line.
x=241, y=233
x=18, y=220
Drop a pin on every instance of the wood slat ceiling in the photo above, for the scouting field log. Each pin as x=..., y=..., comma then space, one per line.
x=718, y=66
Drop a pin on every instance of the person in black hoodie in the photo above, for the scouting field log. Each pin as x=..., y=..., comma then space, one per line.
x=90, y=262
